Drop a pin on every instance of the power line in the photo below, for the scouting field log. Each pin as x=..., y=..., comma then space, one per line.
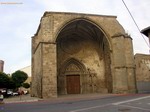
x=135, y=23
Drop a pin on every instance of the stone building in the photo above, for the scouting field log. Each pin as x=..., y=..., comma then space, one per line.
x=142, y=62
x=27, y=70
x=1, y=65
x=74, y=53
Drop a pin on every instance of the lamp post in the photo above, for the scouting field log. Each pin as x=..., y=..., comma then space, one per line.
x=146, y=32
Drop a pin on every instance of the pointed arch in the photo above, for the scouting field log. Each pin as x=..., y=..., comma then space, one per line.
x=87, y=20
x=72, y=66
x=79, y=39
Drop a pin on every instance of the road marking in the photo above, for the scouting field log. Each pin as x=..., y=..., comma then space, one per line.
x=89, y=108
x=118, y=103
x=135, y=107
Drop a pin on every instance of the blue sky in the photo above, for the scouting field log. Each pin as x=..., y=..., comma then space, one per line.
x=19, y=22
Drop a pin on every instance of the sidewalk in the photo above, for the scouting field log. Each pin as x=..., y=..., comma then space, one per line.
x=21, y=98
x=62, y=98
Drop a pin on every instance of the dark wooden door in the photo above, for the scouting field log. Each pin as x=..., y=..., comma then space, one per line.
x=73, y=84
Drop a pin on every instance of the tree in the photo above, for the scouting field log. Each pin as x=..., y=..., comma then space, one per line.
x=26, y=85
x=19, y=77
x=11, y=84
x=4, y=80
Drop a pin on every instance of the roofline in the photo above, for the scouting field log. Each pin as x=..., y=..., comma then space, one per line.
x=73, y=13
x=145, y=31
x=76, y=13
x=140, y=54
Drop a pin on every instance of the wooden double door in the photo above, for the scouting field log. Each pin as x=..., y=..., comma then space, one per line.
x=73, y=84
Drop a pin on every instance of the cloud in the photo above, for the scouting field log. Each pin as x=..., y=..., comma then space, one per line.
x=46, y=5
x=20, y=22
x=140, y=11
x=17, y=26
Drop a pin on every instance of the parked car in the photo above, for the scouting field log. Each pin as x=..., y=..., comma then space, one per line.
x=15, y=94
x=3, y=90
x=9, y=92
x=25, y=92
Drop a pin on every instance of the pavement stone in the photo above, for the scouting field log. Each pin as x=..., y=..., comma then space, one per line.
x=62, y=98
x=20, y=98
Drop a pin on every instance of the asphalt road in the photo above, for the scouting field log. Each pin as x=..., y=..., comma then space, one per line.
x=124, y=103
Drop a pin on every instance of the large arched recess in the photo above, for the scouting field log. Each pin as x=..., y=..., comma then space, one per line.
x=84, y=41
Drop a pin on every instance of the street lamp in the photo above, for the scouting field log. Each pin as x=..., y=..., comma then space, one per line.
x=146, y=32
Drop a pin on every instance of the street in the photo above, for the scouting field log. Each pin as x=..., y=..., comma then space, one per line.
x=118, y=103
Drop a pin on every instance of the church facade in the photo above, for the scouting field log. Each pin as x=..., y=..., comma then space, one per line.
x=74, y=53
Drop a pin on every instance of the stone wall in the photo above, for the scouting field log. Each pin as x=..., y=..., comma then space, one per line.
x=88, y=55
x=142, y=62
x=49, y=79
x=109, y=57
x=36, y=89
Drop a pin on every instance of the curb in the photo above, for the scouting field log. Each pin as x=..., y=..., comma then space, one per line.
x=61, y=99
x=23, y=101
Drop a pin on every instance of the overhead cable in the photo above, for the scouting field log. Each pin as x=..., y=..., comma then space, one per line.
x=135, y=23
